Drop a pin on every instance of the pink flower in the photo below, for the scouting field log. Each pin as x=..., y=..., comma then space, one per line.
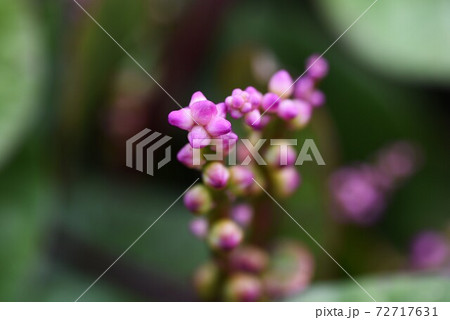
x=203, y=119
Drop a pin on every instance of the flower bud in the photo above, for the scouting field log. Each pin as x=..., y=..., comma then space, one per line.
x=249, y=259
x=199, y=137
x=203, y=111
x=317, y=99
x=289, y=109
x=199, y=227
x=216, y=175
x=303, y=117
x=270, y=102
x=281, y=154
x=317, y=67
x=196, y=97
x=182, y=119
x=198, y=199
x=190, y=158
x=205, y=280
x=241, y=179
x=243, y=287
x=242, y=214
x=253, y=118
x=286, y=181
x=429, y=250
x=281, y=84
x=225, y=235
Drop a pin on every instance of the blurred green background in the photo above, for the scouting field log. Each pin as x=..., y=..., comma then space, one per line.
x=70, y=98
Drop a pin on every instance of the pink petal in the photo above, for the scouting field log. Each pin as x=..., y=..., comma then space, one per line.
x=182, y=119
x=218, y=126
x=198, y=137
x=196, y=97
x=203, y=112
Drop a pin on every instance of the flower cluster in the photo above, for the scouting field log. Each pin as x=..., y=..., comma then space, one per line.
x=226, y=203
x=360, y=193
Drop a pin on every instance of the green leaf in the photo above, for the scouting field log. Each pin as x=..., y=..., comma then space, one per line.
x=21, y=73
x=404, y=38
x=392, y=288
x=25, y=202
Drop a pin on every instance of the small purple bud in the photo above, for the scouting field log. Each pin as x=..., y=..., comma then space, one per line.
x=198, y=137
x=224, y=143
x=304, y=115
x=317, y=99
x=242, y=214
x=198, y=199
x=249, y=259
x=225, y=235
x=281, y=84
x=218, y=126
x=216, y=175
x=199, y=227
x=318, y=67
x=304, y=88
x=186, y=157
x=253, y=118
x=241, y=179
x=196, y=97
x=356, y=195
x=255, y=97
x=236, y=114
x=281, y=154
x=429, y=250
x=243, y=287
x=288, y=109
x=270, y=102
x=182, y=119
x=203, y=112
x=286, y=180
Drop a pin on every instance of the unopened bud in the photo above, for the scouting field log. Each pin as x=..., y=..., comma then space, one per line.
x=242, y=214
x=225, y=235
x=198, y=199
x=241, y=179
x=281, y=154
x=199, y=227
x=243, y=287
x=216, y=175
x=286, y=181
